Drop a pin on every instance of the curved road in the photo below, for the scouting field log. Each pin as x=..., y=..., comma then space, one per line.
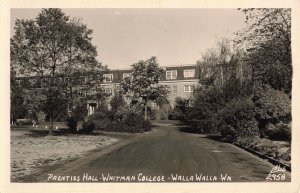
x=165, y=152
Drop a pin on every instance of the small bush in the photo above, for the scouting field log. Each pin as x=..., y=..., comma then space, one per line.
x=88, y=127
x=72, y=123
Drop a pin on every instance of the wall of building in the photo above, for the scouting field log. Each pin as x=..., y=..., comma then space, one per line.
x=181, y=81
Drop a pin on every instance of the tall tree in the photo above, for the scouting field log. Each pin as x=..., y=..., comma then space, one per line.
x=143, y=86
x=223, y=66
x=50, y=45
x=267, y=41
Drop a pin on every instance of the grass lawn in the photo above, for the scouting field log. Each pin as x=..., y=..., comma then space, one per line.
x=31, y=150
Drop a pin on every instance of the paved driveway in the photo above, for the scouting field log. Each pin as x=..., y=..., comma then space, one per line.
x=166, y=154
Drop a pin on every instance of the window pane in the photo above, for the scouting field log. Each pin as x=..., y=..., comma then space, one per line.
x=168, y=75
x=174, y=74
x=108, y=77
x=189, y=73
x=186, y=88
x=174, y=88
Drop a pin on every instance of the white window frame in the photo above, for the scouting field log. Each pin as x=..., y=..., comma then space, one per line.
x=108, y=88
x=172, y=74
x=108, y=75
x=189, y=88
x=189, y=73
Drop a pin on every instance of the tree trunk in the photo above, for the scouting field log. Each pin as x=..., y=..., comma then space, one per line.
x=146, y=111
x=51, y=102
x=51, y=126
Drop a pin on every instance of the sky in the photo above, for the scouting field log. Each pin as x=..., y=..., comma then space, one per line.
x=174, y=36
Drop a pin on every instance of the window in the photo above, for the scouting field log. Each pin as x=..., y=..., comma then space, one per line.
x=108, y=91
x=172, y=74
x=189, y=73
x=108, y=77
x=172, y=88
x=189, y=88
x=126, y=75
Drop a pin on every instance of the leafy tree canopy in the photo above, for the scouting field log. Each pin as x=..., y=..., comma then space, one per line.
x=52, y=45
x=267, y=41
x=143, y=85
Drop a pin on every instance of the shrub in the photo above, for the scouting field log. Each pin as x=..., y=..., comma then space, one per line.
x=163, y=112
x=272, y=106
x=133, y=119
x=80, y=111
x=137, y=122
x=237, y=119
x=279, y=131
x=266, y=147
x=88, y=127
x=100, y=118
x=132, y=122
x=121, y=127
x=207, y=105
x=180, y=109
x=228, y=133
x=118, y=108
x=71, y=123
x=175, y=114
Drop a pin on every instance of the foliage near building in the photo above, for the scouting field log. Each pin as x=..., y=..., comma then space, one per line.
x=51, y=47
x=143, y=86
x=249, y=84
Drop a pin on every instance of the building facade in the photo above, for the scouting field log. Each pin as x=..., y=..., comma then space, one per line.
x=181, y=81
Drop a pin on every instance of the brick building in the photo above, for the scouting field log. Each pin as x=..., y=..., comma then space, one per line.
x=181, y=81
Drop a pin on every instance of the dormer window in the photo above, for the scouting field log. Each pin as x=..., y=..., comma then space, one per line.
x=171, y=75
x=189, y=73
x=107, y=77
